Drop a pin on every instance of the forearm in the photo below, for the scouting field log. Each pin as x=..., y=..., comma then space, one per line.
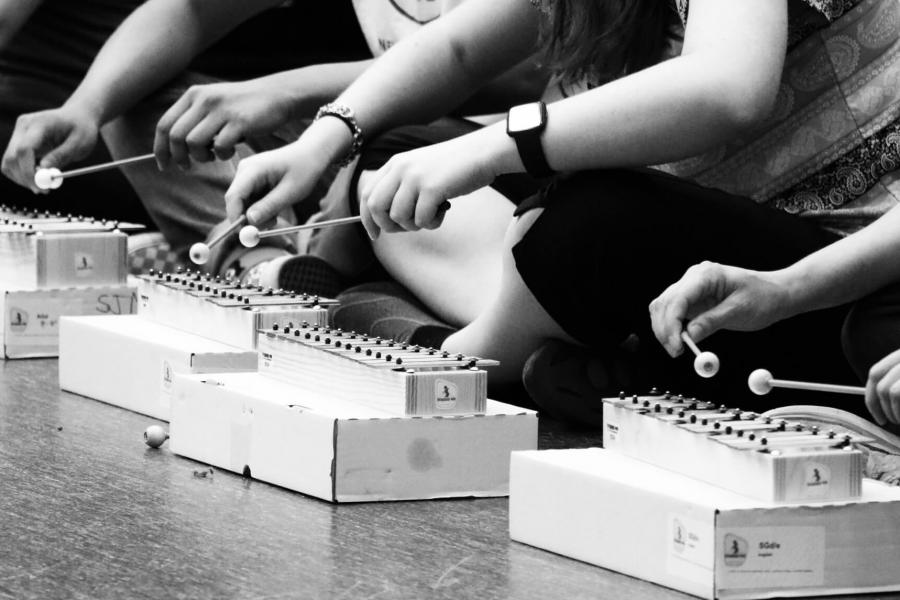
x=13, y=15
x=430, y=73
x=152, y=46
x=310, y=87
x=846, y=270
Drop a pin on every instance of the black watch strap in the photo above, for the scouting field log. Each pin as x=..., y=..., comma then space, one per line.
x=532, y=154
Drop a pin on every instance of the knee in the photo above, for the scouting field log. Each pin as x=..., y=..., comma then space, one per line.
x=519, y=226
x=854, y=335
x=871, y=330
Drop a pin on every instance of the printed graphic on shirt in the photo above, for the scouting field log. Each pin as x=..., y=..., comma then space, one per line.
x=385, y=22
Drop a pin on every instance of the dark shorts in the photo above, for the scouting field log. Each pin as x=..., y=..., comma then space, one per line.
x=610, y=241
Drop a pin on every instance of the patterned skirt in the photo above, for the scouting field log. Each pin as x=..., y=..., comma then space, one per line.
x=830, y=150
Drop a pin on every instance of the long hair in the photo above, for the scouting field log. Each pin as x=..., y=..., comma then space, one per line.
x=601, y=40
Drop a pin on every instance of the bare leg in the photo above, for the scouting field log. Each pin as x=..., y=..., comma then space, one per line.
x=455, y=269
x=512, y=324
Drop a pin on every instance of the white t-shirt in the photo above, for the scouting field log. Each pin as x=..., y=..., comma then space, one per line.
x=385, y=22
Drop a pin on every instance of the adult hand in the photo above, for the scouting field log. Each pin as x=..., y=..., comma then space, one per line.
x=49, y=138
x=710, y=297
x=883, y=389
x=411, y=190
x=208, y=121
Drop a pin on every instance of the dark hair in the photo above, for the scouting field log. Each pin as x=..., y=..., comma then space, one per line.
x=601, y=40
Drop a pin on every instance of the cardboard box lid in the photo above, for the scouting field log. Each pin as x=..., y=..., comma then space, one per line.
x=330, y=405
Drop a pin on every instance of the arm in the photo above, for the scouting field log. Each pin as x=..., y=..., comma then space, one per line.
x=420, y=78
x=162, y=36
x=150, y=47
x=725, y=80
x=13, y=15
x=218, y=116
x=710, y=297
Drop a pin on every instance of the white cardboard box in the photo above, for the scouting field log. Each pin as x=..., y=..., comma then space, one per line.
x=29, y=326
x=130, y=362
x=622, y=514
x=342, y=451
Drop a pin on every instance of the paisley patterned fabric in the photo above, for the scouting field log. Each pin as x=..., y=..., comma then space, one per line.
x=831, y=148
x=831, y=9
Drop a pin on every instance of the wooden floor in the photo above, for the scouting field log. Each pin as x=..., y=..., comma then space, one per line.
x=88, y=511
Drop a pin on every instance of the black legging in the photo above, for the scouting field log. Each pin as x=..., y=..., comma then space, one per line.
x=610, y=241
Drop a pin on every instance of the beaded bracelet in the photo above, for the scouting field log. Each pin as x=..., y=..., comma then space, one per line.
x=345, y=114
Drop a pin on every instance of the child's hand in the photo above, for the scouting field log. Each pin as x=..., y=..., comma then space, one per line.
x=410, y=192
x=710, y=297
x=269, y=182
x=883, y=389
x=208, y=121
x=49, y=138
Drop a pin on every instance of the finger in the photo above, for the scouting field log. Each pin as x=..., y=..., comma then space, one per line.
x=226, y=140
x=11, y=165
x=891, y=404
x=249, y=183
x=428, y=213
x=877, y=373
x=178, y=133
x=403, y=207
x=72, y=149
x=888, y=391
x=381, y=198
x=718, y=317
x=200, y=140
x=438, y=219
x=657, y=323
x=368, y=222
x=673, y=319
x=267, y=208
x=163, y=127
x=873, y=402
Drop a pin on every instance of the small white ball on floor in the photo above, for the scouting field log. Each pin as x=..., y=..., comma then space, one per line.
x=760, y=382
x=199, y=253
x=48, y=179
x=249, y=236
x=706, y=364
x=155, y=436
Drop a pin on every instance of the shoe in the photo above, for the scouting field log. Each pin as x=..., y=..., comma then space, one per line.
x=882, y=452
x=307, y=274
x=569, y=383
x=249, y=265
x=387, y=309
x=151, y=251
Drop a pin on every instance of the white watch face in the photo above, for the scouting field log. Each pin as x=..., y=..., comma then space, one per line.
x=524, y=117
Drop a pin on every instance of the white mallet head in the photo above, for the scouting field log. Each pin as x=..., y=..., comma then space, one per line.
x=199, y=253
x=249, y=236
x=760, y=382
x=706, y=364
x=155, y=435
x=48, y=179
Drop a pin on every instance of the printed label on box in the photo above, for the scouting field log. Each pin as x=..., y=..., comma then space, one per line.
x=690, y=543
x=168, y=379
x=84, y=264
x=771, y=557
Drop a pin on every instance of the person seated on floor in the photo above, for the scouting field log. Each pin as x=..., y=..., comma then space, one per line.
x=757, y=173
x=162, y=49
x=46, y=46
x=861, y=269
x=206, y=122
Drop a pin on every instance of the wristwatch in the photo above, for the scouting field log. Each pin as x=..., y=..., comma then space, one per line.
x=524, y=124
